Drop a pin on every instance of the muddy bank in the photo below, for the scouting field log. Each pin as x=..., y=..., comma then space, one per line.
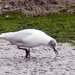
x=43, y=60
x=37, y=7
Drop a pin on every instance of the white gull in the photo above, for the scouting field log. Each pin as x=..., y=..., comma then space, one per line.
x=30, y=38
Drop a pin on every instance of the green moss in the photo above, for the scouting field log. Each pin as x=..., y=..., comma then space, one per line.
x=47, y=8
x=61, y=27
x=73, y=44
x=63, y=11
x=72, y=7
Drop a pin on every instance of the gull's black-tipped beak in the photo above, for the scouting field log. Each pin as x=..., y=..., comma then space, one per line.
x=56, y=52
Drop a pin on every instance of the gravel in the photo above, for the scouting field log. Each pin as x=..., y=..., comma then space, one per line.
x=43, y=60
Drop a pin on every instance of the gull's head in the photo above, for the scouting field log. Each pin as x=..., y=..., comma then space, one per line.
x=53, y=43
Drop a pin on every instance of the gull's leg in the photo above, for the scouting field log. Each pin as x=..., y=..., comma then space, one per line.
x=27, y=51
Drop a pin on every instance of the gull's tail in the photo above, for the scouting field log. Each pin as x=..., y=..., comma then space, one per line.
x=2, y=36
x=6, y=35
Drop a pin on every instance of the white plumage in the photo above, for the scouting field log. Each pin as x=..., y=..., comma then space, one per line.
x=28, y=38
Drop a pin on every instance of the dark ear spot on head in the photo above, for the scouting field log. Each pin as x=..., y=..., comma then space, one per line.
x=52, y=43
